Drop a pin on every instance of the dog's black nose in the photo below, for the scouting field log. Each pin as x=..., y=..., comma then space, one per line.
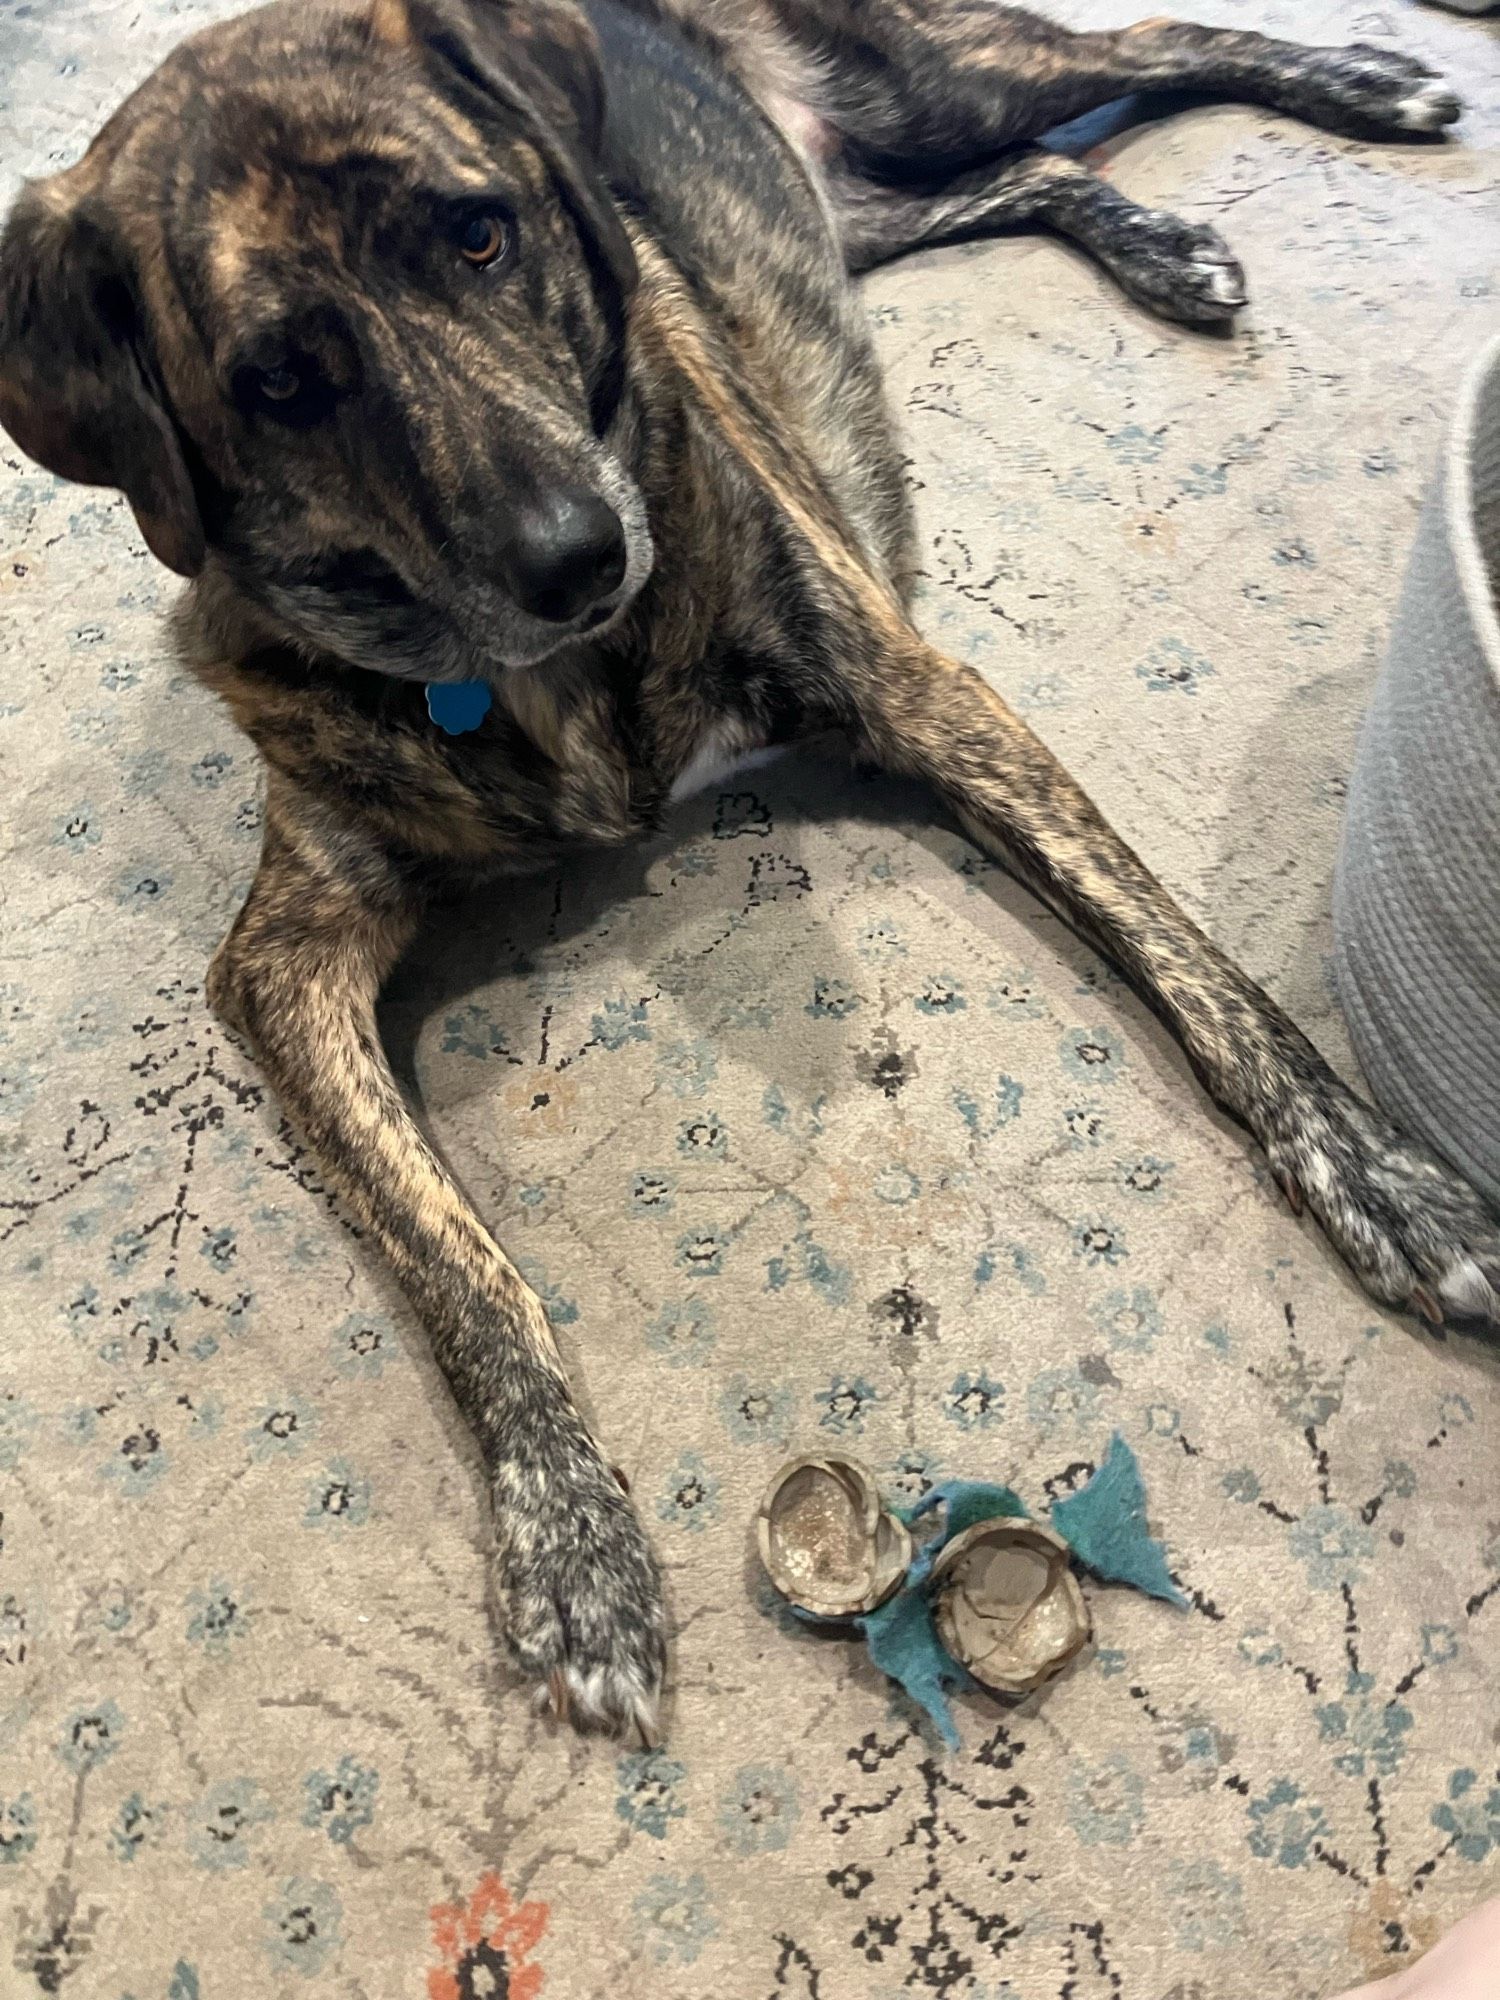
x=563, y=553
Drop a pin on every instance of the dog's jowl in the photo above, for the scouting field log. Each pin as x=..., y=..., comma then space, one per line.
x=514, y=341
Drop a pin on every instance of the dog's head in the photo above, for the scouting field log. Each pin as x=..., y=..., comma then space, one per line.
x=338, y=300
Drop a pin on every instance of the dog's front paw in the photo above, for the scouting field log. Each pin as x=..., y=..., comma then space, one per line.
x=1375, y=92
x=1412, y=1230
x=581, y=1594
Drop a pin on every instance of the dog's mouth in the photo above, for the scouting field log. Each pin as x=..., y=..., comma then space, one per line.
x=499, y=637
x=364, y=611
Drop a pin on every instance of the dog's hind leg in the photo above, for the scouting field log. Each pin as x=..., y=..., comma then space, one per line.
x=299, y=974
x=1367, y=92
x=927, y=87
x=1411, y=1229
x=1181, y=270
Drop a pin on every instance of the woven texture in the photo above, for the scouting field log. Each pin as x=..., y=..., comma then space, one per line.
x=1417, y=899
x=813, y=1132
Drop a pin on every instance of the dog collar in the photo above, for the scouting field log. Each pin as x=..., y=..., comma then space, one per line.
x=458, y=706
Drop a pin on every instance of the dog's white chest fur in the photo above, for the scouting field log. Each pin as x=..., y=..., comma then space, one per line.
x=721, y=751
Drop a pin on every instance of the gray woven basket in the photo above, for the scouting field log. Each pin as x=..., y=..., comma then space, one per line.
x=1417, y=894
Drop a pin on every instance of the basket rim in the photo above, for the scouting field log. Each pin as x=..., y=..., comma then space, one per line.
x=1477, y=413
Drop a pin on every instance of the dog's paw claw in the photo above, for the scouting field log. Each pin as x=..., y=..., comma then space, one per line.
x=1294, y=1196
x=577, y=1700
x=1426, y=1305
x=1216, y=280
x=582, y=1599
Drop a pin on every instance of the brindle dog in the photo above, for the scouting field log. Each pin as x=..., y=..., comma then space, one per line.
x=514, y=340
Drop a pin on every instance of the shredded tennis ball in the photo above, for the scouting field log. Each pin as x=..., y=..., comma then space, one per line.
x=1007, y=1604
x=827, y=1543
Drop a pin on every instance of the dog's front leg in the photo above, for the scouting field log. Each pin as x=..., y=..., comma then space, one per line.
x=299, y=974
x=1412, y=1230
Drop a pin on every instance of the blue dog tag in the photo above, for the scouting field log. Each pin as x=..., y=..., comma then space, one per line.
x=458, y=706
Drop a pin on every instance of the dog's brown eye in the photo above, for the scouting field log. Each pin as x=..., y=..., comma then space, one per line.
x=293, y=394
x=482, y=238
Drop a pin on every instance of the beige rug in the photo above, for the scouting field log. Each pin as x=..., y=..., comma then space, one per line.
x=811, y=1130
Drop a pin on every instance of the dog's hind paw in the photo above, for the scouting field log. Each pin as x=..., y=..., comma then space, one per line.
x=581, y=1596
x=1411, y=1229
x=1428, y=108
x=1375, y=93
x=1179, y=269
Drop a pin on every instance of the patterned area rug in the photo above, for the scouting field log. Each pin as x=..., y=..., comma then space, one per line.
x=811, y=1130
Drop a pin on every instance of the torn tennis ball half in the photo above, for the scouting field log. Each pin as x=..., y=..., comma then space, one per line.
x=828, y=1544
x=1007, y=1605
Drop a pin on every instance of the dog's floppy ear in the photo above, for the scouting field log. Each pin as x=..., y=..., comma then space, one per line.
x=556, y=38
x=539, y=58
x=75, y=387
